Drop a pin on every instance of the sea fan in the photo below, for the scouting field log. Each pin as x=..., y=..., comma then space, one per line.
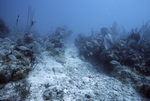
x=145, y=33
x=111, y=37
x=108, y=42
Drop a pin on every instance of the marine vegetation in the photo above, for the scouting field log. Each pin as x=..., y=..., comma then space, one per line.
x=107, y=46
x=122, y=57
x=21, y=50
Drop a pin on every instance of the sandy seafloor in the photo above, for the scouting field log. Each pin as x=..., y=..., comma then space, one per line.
x=77, y=79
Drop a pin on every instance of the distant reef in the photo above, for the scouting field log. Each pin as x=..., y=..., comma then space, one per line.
x=125, y=56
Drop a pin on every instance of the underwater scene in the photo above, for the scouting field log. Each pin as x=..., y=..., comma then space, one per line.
x=74, y=50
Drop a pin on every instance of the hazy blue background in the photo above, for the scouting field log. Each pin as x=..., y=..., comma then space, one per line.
x=78, y=15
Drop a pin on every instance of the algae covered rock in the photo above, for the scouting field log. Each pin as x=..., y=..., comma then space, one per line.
x=15, y=62
x=53, y=94
x=12, y=58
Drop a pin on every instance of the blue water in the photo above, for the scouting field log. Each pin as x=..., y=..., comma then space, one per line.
x=78, y=15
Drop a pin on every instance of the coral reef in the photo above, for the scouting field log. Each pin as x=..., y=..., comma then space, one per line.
x=55, y=42
x=119, y=55
x=16, y=61
x=29, y=59
x=18, y=56
x=128, y=52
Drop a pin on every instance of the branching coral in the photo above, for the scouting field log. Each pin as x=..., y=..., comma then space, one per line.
x=30, y=21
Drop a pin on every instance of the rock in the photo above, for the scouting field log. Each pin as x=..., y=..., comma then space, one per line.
x=12, y=57
x=8, y=47
x=7, y=39
x=114, y=62
x=15, y=64
x=7, y=52
x=6, y=43
x=16, y=53
x=23, y=48
x=53, y=94
x=86, y=79
x=2, y=53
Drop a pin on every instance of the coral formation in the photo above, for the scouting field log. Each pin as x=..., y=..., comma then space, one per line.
x=125, y=59
x=20, y=54
x=114, y=53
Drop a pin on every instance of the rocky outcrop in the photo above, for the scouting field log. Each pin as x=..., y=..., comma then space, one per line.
x=16, y=61
x=126, y=59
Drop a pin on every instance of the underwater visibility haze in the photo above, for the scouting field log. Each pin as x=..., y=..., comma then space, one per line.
x=78, y=15
x=74, y=50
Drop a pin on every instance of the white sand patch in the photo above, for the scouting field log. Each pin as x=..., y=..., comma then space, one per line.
x=77, y=79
